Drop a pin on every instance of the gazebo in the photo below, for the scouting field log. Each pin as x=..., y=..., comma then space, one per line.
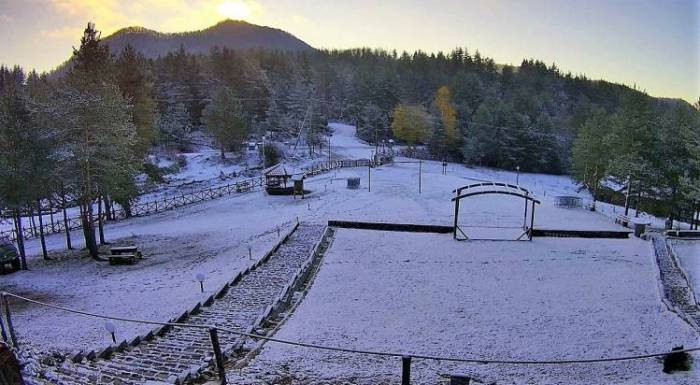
x=277, y=176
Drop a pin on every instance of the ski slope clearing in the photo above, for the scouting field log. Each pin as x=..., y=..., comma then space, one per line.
x=549, y=299
x=344, y=143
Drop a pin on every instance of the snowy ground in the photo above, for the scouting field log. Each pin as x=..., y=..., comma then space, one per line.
x=688, y=252
x=426, y=294
x=212, y=237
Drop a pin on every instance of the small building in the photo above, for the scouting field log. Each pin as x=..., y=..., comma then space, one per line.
x=278, y=175
x=278, y=179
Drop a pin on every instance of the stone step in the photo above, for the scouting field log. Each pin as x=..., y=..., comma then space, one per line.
x=183, y=349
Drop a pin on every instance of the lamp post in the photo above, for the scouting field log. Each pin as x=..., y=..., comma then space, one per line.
x=517, y=175
x=200, y=278
x=111, y=329
x=329, y=148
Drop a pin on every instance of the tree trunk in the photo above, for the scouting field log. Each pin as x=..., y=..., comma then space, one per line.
x=32, y=222
x=20, y=239
x=44, y=253
x=100, y=224
x=108, y=209
x=89, y=230
x=66, y=225
x=673, y=210
x=127, y=209
x=53, y=225
x=627, y=196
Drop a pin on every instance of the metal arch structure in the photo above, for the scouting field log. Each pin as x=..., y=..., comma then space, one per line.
x=511, y=190
x=459, y=190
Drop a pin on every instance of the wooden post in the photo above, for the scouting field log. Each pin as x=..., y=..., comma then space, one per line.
x=214, y=336
x=420, y=175
x=525, y=216
x=369, y=177
x=454, y=231
x=406, y=370
x=532, y=220
x=8, y=316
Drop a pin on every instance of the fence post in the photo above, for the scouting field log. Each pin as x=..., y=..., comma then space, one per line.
x=3, y=332
x=369, y=178
x=406, y=370
x=214, y=336
x=8, y=317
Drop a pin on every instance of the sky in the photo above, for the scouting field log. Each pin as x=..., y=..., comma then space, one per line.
x=651, y=45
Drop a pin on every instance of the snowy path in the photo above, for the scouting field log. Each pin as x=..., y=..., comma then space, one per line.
x=182, y=349
x=426, y=294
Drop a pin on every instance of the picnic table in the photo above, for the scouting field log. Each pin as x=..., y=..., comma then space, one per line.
x=124, y=254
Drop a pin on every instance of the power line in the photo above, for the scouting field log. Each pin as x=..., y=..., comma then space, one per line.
x=360, y=351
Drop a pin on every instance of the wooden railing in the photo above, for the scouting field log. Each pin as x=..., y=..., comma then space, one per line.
x=58, y=225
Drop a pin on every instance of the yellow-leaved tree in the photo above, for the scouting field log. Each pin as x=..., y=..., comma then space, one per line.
x=411, y=124
x=448, y=117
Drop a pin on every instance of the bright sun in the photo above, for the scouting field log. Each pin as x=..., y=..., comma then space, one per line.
x=234, y=9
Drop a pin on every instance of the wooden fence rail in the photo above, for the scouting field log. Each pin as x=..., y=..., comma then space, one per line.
x=169, y=203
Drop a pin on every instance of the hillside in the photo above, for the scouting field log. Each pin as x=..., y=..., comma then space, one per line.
x=228, y=33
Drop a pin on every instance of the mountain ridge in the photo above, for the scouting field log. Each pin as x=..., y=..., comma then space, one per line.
x=234, y=34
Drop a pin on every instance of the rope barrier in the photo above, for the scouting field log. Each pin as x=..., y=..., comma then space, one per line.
x=358, y=351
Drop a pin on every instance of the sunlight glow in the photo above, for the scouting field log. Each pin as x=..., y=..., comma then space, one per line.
x=234, y=10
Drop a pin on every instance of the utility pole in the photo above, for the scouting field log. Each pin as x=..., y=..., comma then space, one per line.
x=420, y=176
x=329, y=149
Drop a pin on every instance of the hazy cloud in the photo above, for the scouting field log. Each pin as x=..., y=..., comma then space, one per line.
x=62, y=33
x=162, y=15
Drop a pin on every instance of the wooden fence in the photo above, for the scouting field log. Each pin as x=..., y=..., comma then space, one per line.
x=58, y=225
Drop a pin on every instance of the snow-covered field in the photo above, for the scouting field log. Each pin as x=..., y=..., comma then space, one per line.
x=688, y=252
x=549, y=299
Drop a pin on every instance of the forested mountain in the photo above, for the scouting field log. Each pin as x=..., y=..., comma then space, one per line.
x=506, y=116
x=232, y=34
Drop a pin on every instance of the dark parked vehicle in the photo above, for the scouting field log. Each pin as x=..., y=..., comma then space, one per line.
x=9, y=258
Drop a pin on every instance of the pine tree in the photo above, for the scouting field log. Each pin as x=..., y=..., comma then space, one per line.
x=98, y=135
x=590, y=151
x=224, y=118
x=136, y=86
x=632, y=142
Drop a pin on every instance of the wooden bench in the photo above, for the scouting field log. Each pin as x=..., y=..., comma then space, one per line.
x=623, y=220
x=124, y=254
